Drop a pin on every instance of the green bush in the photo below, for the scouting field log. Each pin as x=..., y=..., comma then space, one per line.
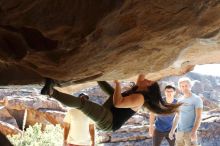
x=33, y=136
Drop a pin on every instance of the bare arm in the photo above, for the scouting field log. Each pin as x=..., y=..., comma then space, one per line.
x=117, y=98
x=151, y=120
x=175, y=122
x=174, y=126
x=196, y=124
x=141, y=77
x=198, y=119
x=66, y=131
x=131, y=101
x=92, y=133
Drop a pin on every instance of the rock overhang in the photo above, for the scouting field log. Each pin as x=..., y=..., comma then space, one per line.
x=81, y=41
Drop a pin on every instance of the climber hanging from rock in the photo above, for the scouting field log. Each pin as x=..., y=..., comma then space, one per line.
x=120, y=106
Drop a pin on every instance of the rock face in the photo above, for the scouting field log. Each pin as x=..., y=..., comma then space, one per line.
x=38, y=109
x=90, y=40
x=8, y=129
x=203, y=85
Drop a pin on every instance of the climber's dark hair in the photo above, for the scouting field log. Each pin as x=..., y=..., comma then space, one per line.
x=170, y=87
x=152, y=96
x=155, y=103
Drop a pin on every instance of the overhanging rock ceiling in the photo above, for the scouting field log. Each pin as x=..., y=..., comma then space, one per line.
x=88, y=40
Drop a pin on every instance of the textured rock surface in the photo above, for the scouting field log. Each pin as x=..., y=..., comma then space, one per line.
x=39, y=108
x=7, y=117
x=7, y=129
x=105, y=39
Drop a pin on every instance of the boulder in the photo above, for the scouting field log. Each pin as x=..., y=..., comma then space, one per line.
x=79, y=41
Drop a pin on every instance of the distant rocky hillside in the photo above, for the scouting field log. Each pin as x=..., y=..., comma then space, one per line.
x=203, y=85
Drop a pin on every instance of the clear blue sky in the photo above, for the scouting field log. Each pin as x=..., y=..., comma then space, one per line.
x=208, y=69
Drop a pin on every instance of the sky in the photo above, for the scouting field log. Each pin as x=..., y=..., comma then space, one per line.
x=208, y=69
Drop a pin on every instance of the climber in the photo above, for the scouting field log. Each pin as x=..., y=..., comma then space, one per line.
x=120, y=106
